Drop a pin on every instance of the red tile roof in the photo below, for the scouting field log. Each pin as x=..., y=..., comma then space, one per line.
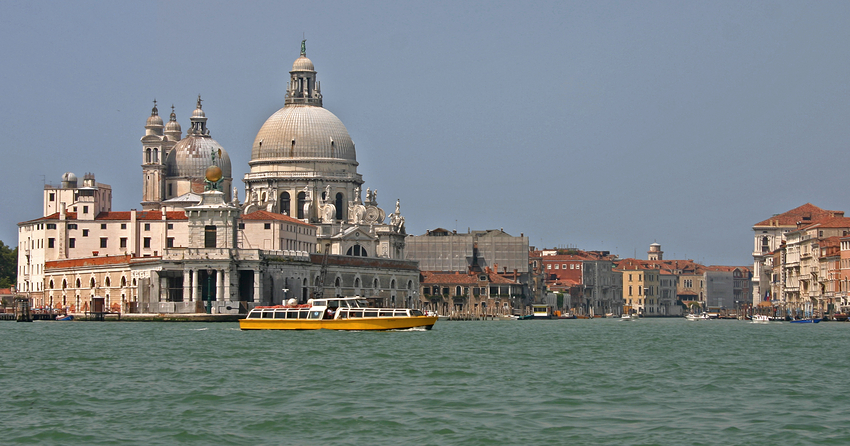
x=88, y=261
x=456, y=278
x=805, y=213
x=265, y=215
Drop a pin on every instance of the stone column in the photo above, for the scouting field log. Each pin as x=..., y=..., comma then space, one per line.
x=219, y=285
x=226, y=289
x=187, y=285
x=195, y=285
x=258, y=287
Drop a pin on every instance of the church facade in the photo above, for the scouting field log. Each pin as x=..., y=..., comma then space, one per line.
x=303, y=230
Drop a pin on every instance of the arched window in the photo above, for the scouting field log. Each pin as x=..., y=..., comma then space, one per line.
x=51, y=284
x=338, y=204
x=337, y=282
x=64, y=284
x=409, y=284
x=284, y=203
x=123, y=282
x=457, y=290
x=392, y=284
x=357, y=251
x=302, y=198
x=91, y=283
x=155, y=155
x=108, y=282
x=356, y=282
x=79, y=283
x=148, y=156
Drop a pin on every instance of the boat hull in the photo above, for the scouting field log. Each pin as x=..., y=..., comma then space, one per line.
x=358, y=324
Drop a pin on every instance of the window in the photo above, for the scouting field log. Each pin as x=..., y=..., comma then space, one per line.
x=85, y=209
x=122, y=242
x=556, y=266
x=267, y=226
x=85, y=232
x=147, y=226
x=356, y=250
x=171, y=226
x=169, y=242
x=339, y=201
x=146, y=242
x=209, y=236
x=103, y=226
x=72, y=243
x=52, y=196
x=302, y=198
x=241, y=225
x=103, y=242
x=123, y=225
x=284, y=203
x=50, y=243
x=51, y=226
x=72, y=226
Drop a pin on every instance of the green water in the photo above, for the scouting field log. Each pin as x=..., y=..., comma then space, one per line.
x=594, y=382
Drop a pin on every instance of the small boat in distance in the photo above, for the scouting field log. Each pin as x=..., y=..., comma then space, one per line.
x=629, y=317
x=806, y=321
x=760, y=319
x=698, y=317
x=65, y=317
x=341, y=313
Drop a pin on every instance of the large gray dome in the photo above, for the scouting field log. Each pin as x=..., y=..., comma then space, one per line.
x=303, y=131
x=193, y=154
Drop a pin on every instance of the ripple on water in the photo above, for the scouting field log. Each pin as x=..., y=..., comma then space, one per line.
x=529, y=382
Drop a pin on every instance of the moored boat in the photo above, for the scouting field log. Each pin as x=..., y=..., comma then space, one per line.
x=698, y=317
x=806, y=321
x=760, y=319
x=65, y=317
x=342, y=313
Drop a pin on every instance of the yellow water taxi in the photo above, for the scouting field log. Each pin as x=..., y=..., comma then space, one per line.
x=341, y=313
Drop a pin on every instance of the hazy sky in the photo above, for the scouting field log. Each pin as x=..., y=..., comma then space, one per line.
x=598, y=125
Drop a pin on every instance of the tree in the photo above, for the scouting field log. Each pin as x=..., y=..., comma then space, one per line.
x=8, y=266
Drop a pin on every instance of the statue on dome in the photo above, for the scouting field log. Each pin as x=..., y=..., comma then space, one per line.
x=304, y=47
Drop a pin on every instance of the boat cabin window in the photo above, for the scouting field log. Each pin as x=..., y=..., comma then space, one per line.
x=320, y=303
x=316, y=314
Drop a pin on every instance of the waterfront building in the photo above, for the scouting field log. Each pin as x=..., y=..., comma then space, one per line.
x=585, y=278
x=641, y=287
x=443, y=251
x=805, y=277
x=472, y=294
x=769, y=235
x=194, y=247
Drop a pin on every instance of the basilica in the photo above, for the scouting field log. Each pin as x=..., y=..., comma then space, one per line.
x=305, y=228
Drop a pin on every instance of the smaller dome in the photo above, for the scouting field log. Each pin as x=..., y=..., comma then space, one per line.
x=303, y=64
x=192, y=155
x=69, y=176
x=198, y=113
x=173, y=125
x=154, y=119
